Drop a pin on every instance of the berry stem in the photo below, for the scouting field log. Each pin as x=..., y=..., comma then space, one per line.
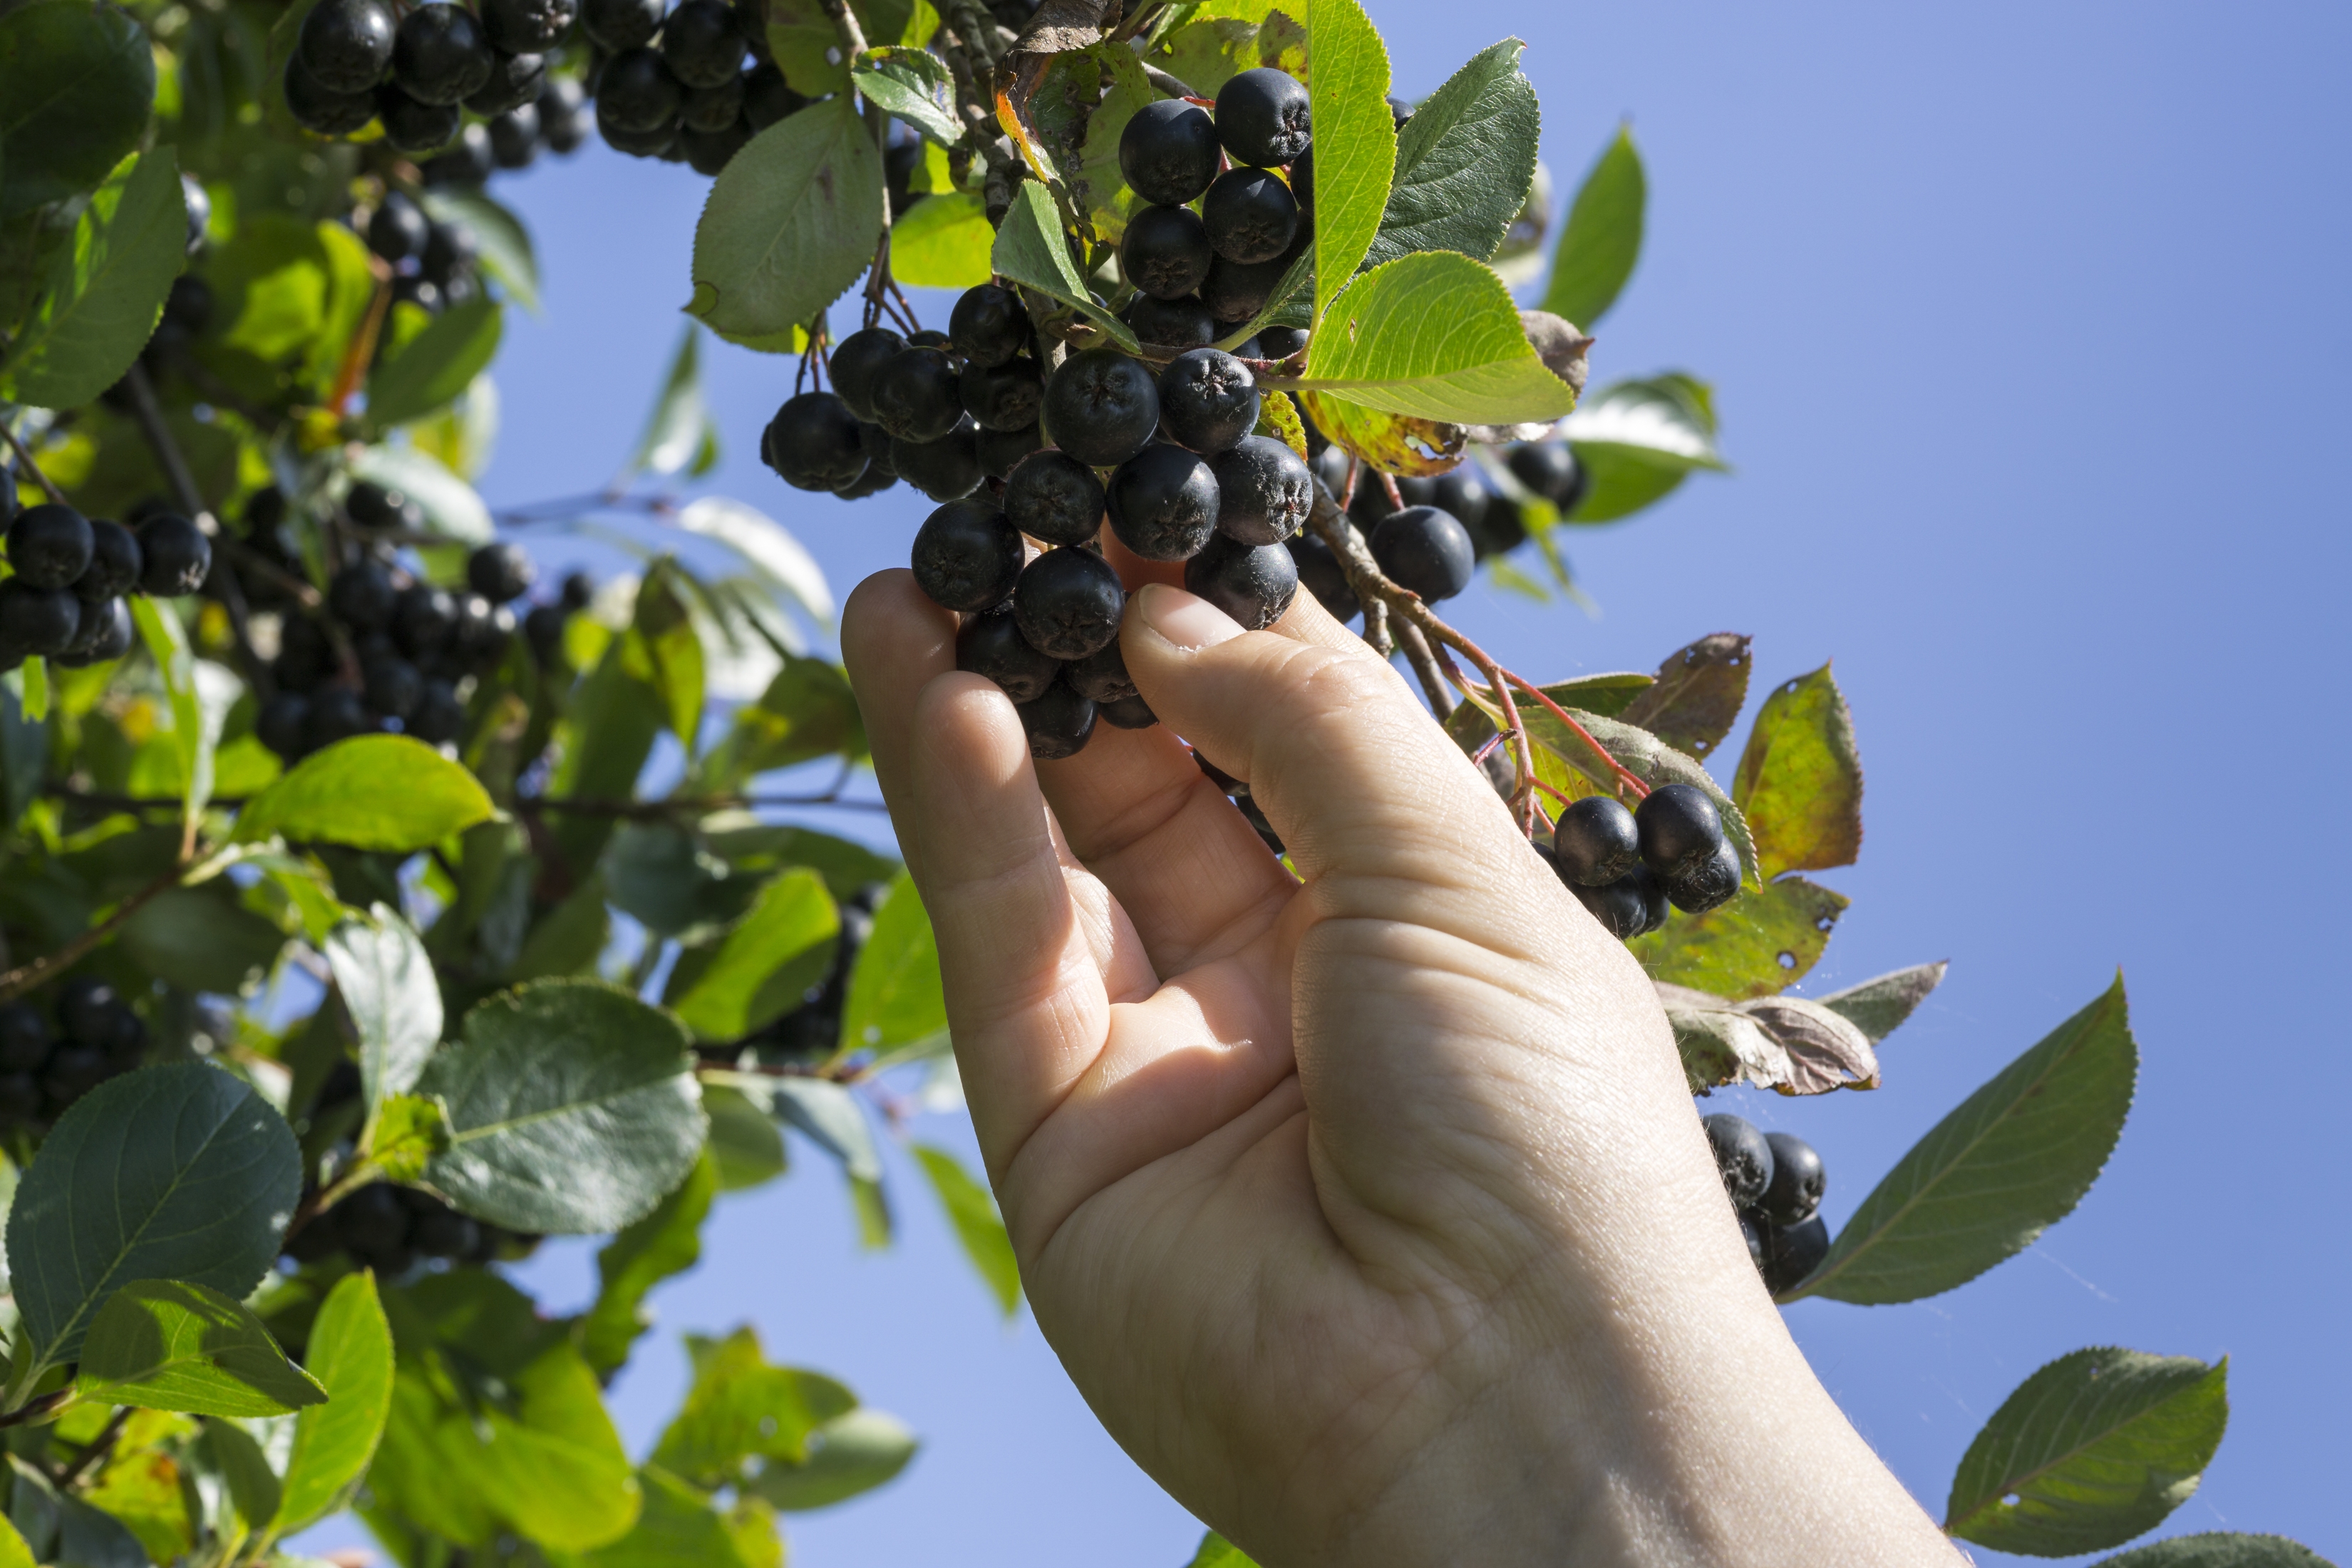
x=352, y=372
x=24, y=458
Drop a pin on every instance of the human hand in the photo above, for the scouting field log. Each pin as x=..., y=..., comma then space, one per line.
x=1369, y=1211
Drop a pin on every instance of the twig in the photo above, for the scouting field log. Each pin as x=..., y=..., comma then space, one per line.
x=26, y=976
x=1425, y=666
x=353, y=371
x=25, y=456
x=98, y=1450
x=39, y=1409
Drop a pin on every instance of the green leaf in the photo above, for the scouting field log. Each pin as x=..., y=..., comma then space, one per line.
x=739, y=1407
x=505, y=245
x=386, y=792
x=744, y=1140
x=1877, y=1006
x=105, y=290
x=1031, y=250
x=75, y=84
x=13, y=1552
x=672, y=652
x=1355, y=147
x=657, y=874
x=451, y=508
x=1278, y=417
x=177, y=1172
x=680, y=1528
x=978, y=1226
x=1206, y=45
x=387, y=984
x=1602, y=237
x=438, y=366
x=943, y=242
x=1698, y=692
x=1434, y=335
x=1463, y=161
x=2219, y=1549
x=65, y=1530
x=200, y=694
x=2093, y=1450
x=350, y=1353
x=666, y=1242
x=606, y=733
x=780, y=948
x=1611, y=694
x=555, y=1467
x=912, y=84
x=827, y=1113
x=571, y=1108
x=2013, y=1160
x=254, y=1489
x=895, y=998
x=1756, y=945
x=169, y=1344
x=851, y=1453
x=790, y=223
x=201, y=939
x=1800, y=780
x=807, y=712
x=680, y=427
x=1638, y=440
x=1097, y=186
x=1216, y=1552
x=779, y=561
x=409, y=1131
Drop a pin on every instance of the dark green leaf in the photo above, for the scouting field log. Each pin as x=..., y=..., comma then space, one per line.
x=64, y=1530
x=1800, y=780
x=656, y=873
x=2013, y=1161
x=978, y=1226
x=1097, y=185
x=1602, y=237
x=505, y=244
x=438, y=366
x=1355, y=148
x=201, y=939
x=177, y=1172
x=1434, y=335
x=760, y=969
x=1463, y=161
x=666, y=1242
x=828, y=1114
x=912, y=84
x=894, y=999
x=1637, y=441
x=1698, y=692
x=666, y=650
x=1032, y=250
x=350, y=1352
x=739, y=1407
x=680, y=423
x=744, y=1140
x=24, y=756
x=2093, y=1450
x=790, y=223
x=571, y=1108
x=106, y=289
x=850, y=1454
x=387, y=985
x=169, y=1344
x=254, y=1488
x=1611, y=695
x=376, y=792
x=2219, y=1549
x=1877, y=1006
x=1760, y=943
x=76, y=83
x=567, y=939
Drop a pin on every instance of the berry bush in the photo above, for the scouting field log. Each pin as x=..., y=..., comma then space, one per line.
x=374, y=905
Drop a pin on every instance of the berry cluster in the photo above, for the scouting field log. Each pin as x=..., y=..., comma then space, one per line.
x=434, y=261
x=43, y=1071
x=417, y=71
x=692, y=86
x=1626, y=865
x=391, y=650
x=392, y=1229
x=1775, y=1182
x=71, y=575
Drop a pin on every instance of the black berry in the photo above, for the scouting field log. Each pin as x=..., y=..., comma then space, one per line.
x=1051, y=496
x=1500, y=529
x=1794, y=1253
x=562, y=118
x=942, y=469
x=1752, y=1231
x=362, y=595
x=1179, y=323
x=483, y=631
x=320, y=108
x=465, y=161
x=282, y=724
x=1302, y=186
x=37, y=620
x=1462, y=493
x=660, y=142
x=514, y=84
x=988, y=325
x=393, y=685
x=618, y=24
x=346, y=45
x=1067, y=602
x=336, y=715
x=967, y=556
x=1238, y=291
x=813, y=442
x=1594, y=841
x=1101, y=676
x=105, y=633
x=304, y=657
x=529, y=27
x=1060, y=722
x=1618, y=906
x=514, y=136
x=1102, y=407
x=440, y=53
x=1163, y=502
x=1320, y=574
x=1549, y=469
x=1126, y=713
x=1794, y=1193
x=114, y=562
x=1426, y=549
x=449, y=250
x=1267, y=488
x=421, y=292
x=857, y=361
x=579, y=591
x=50, y=546
x=1168, y=151
x=397, y=228
x=639, y=93
x=1741, y=1157
x=1712, y=882
x=702, y=43
x=1249, y=215
x=424, y=621
x=916, y=396
x=1253, y=584
x=543, y=627
x=1002, y=450
x=74, y=1071
x=412, y=125
x=713, y=110
x=1263, y=117
x=1208, y=400
x=439, y=716
x=371, y=506
x=1165, y=251
x=1003, y=396
x=1680, y=829
x=991, y=644
x=500, y=572
x=768, y=97
x=25, y=1040
x=174, y=556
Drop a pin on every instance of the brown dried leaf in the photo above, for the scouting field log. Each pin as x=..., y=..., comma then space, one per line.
x=1825, y=1051
x=1393, y=443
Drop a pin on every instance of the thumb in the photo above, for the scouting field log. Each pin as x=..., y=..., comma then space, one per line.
x=1347, y=766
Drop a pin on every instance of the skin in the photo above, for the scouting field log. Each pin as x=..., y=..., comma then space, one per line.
x=1371, y=1212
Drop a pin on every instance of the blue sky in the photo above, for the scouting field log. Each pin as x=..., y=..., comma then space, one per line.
x=2026, y=323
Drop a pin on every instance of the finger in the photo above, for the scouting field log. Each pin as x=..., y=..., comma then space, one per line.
x=1133, y=570
x=894, y=642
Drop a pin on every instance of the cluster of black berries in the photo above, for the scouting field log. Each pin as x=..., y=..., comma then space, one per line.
x=811, y=1031
x=1774, y=1181
x=434, y=259
x=42, y=1071
x=392, y=651
x=418, y=70
x=1626, y=865
x=390, y=1229
x=71, y=574
x=692, y=86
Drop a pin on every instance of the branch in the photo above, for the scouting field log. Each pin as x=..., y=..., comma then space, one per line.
x=39, y=1409
x=25, y=456
x=1424, y=665
x=100, y=1449
x=26, y=976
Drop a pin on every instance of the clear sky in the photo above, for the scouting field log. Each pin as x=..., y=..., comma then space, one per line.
x=2025, y=322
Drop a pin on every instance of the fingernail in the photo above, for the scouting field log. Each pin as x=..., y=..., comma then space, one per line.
x=1191, y=623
